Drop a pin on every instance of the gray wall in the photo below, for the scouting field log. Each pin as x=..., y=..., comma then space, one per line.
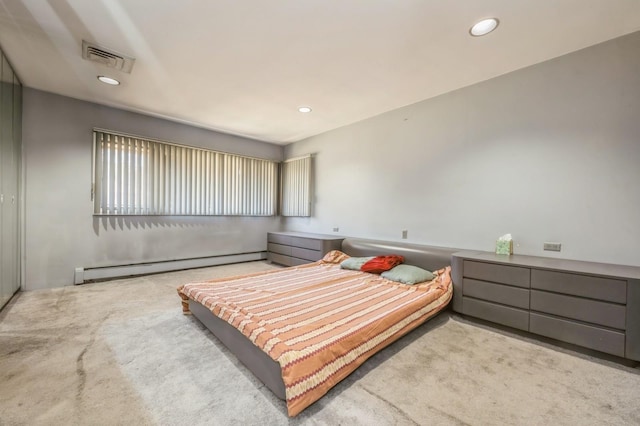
x=62, y=234
x=548, y=153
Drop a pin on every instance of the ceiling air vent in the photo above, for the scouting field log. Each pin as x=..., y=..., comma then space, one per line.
x=109, y=58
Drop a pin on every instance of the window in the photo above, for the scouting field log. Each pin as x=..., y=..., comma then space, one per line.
x=139, y=176
x=296, y=187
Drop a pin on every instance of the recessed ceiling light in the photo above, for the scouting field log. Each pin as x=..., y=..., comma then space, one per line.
x=108, y=80
x=304, y=109
x=484, y=27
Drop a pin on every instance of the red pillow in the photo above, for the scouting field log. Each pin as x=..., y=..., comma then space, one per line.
x=379, y=264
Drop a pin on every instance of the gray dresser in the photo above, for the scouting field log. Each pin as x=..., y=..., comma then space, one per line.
x=593, y=305
x=297, y=248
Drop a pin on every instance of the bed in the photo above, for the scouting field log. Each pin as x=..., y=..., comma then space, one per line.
x=301, y=330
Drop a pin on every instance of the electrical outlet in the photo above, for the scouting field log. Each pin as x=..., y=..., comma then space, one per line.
x=404, y=234
x=552, y=246
x=336, y=229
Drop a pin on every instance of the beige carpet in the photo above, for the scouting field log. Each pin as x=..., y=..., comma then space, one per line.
x=121, y=352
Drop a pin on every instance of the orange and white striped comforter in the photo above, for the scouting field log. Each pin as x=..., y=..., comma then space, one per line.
x=319, y=322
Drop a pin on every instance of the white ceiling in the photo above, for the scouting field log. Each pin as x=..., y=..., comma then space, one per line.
x=244, y=67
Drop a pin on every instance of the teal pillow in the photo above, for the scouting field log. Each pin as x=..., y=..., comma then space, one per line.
x=407, y=274
x=355, y=263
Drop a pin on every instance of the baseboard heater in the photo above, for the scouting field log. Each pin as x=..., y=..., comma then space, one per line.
x=83, y=275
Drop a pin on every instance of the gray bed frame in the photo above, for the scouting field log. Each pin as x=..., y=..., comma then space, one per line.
x=259, y=363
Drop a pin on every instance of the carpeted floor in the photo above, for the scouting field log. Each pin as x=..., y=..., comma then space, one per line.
x=121, y=352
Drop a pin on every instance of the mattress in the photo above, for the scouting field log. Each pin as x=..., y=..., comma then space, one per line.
x=317, y=321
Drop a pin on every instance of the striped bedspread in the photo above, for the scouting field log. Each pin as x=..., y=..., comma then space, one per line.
x=319, y=322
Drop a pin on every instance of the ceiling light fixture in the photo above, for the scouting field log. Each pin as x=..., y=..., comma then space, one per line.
x=484, y=27
x=108, y=80
x=304, y=109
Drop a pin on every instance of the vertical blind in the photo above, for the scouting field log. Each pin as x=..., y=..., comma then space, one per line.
x=296, y=187
x=137, y=176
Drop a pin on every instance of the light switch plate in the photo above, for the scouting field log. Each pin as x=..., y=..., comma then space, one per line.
x=552, y=246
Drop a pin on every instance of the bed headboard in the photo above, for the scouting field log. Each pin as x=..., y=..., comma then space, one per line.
x=427, y=257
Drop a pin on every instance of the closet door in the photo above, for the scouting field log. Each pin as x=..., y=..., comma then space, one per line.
x=8, y=188
x=17, y=161
x=4, y=163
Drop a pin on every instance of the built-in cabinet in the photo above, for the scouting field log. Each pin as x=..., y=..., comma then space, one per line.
x=594, y=305
x=10, y=161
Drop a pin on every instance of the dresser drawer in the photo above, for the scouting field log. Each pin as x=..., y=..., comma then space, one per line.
x=280, y=259
x=279, y=248
x=308, y=243
x=593, y=311
x=608, y=289
x=608, y=341
x=302, y=253
x=507, y=295
x=511, y=275
x=294, y=261
x=279, y=239
x=512, y=317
